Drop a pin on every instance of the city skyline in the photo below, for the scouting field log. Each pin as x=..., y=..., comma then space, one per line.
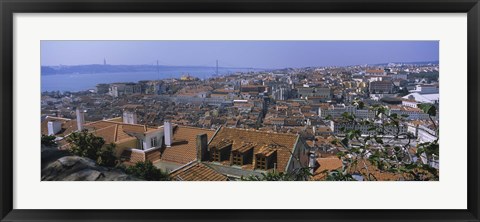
x=317, y=122
x=248, y=54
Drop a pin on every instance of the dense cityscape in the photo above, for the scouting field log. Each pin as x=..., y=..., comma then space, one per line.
x=363, y=122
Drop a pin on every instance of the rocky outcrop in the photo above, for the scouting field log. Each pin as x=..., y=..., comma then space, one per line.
x=60, y=165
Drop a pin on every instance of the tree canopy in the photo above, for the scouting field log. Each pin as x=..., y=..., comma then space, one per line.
x=87, y=145
x=379, y=152
x=48, y=140
x=147, y=171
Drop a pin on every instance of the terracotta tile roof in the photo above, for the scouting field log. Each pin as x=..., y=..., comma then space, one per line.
x=380, y=175
x=68, y=125
x=266, y=150
x=325, y=139
x=285, y=143
x=244, y=147
x=108, y=133
x=130, y=157
x=329, y=163
x=333, y=163
x=196, y=171
x=99, y=124
x=130, y=128
x=324, y=106
x=222, y=144
x=375, y=71
x=310, y=143
x=295, y=104
x=113, y=132
x=186, y=151
x=116, y=119
x=121, y=133
x=323, y=129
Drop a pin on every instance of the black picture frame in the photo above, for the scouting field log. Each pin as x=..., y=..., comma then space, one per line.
x=9, y=7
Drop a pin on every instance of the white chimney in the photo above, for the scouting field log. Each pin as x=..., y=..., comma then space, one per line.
x=168, y=133
x=129, y=117
x=311, y=163
x=80, y=119
x=54, y=127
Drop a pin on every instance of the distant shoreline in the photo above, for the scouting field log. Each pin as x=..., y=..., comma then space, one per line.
x=76, y=82
x=85, y=77
x=99, y=68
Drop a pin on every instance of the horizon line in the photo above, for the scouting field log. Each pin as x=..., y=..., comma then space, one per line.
x=238, y=67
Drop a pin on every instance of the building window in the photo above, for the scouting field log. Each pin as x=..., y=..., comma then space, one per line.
x=262, y=163
x=153, y=142
x=237, y=159
x=216, y=155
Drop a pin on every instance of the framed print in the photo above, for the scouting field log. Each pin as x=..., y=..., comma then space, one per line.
x=230, y=110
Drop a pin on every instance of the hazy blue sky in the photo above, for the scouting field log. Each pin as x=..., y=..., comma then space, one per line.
x=256, y=54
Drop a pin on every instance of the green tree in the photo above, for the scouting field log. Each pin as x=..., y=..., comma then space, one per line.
x=147, y=171
x=300, y=174
x=87, y=145
x=385, y=153
x=107, y=156
x=48, y=140
x=359, y=104
x=339, y=175
x=403, y=92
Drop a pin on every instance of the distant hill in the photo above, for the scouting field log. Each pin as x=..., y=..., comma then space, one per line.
x=409, y=63
x=98, y=68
